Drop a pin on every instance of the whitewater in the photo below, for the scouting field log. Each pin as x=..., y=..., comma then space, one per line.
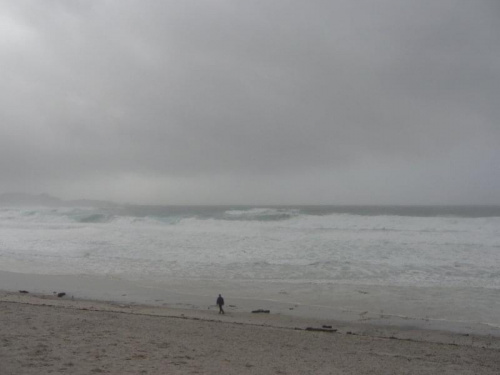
x=431, y=263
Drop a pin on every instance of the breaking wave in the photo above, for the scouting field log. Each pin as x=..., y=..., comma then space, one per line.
x=261, y=214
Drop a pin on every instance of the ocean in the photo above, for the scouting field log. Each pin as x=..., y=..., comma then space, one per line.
x=412, y=263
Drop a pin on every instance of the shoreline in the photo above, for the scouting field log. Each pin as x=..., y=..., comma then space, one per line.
x=273, y=320
x=43, y=334
x=347, y=304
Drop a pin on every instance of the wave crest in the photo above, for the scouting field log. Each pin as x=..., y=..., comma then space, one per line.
x=261, y=214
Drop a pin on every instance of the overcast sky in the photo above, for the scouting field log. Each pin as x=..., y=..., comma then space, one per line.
x=257, y=102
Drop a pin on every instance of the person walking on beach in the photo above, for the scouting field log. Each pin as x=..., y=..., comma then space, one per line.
x=220, y=303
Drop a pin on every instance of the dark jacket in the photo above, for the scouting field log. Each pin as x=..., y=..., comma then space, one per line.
x=220, y=301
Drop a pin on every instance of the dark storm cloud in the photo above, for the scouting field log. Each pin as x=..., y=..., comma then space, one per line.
x=260, y=101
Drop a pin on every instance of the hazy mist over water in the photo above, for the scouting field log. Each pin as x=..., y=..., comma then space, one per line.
x=286, y=212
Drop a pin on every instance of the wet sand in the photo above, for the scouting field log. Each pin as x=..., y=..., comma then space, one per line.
x=446, y=309
x=43, y=334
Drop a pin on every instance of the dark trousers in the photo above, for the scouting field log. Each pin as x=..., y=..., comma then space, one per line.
x=221, y=310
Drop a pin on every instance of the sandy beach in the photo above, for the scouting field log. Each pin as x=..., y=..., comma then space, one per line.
x=43, y=334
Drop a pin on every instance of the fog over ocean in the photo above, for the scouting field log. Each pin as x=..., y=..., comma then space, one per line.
x=351, y=257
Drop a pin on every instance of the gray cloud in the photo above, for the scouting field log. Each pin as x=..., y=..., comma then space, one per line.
x=253, y=102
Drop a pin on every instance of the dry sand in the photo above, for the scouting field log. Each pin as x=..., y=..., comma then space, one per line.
x=46, y=334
